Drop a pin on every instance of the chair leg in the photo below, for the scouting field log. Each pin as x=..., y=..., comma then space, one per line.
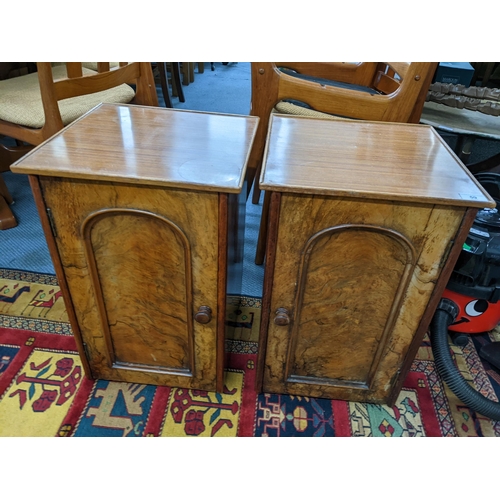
x=250, y=177
x=162, y=69
x=201, y=67
x=264, y=221
x=256, y=189
x=7, y=219
x=185, y=73
x=10, y=154
x=4, y=192
x=464, y=148
x=176, y=81
x=491, y=164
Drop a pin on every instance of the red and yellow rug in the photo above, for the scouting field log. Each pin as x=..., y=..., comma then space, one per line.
x=43, y=391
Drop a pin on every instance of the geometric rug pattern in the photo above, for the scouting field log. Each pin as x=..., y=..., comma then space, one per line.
x=43, y=391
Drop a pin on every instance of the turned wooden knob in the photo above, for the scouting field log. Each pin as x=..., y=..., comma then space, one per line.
x=204, y=315
x=282, y=318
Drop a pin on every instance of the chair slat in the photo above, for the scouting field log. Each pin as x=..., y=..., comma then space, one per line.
x=361, y=73
x=96, y=83
x=102, y=67
x=385, y=83
x=74, y=69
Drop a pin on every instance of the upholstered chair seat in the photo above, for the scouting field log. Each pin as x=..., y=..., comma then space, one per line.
x=21, y=101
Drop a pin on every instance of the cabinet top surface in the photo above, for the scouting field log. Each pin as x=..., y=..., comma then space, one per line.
x=375, y=160
x=149, y=146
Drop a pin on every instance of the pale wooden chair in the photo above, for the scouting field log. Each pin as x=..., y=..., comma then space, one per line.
x=35, y=106
x=376, y=91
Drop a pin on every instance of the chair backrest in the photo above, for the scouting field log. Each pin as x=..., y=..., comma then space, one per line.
x=399, y=89
x=376, y=91
x=81, y=82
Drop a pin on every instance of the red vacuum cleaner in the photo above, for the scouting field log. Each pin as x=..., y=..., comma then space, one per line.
x=471, y=301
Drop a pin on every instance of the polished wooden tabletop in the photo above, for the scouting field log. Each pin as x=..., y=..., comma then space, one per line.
x=374, y=160
x=149, y=146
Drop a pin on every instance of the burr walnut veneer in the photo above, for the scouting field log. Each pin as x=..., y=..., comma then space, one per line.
x=366, y=222
x=142, y=209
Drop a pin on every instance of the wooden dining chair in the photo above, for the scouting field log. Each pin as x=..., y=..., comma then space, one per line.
x=376, y=91
x=163, y=69
x=35, y=106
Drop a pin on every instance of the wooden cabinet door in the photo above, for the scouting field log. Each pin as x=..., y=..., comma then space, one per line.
x=140, y=262
x=351, y=282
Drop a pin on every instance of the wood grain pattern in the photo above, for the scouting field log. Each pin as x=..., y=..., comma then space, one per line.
x=403, y=105
x=58, y=267
x=360, y=73
x=455, y=250
x=347, y=272
x=405, y=162
x=121, y=256
x=429, y=228
x=134, y=282
x=222, y=279
x=149, y=146
x=274, y=204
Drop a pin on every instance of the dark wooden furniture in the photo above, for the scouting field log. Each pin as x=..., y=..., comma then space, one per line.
x=7, y=219
x=174, y=68
x=367, y=220
x=142, y=209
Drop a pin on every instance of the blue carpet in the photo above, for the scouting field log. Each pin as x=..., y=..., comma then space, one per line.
x=24, y=247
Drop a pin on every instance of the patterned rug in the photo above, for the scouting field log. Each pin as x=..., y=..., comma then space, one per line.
x=43, y=391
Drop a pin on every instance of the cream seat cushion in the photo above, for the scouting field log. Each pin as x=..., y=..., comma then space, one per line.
x=93, y=65
x=287, y=108
x=21, y=101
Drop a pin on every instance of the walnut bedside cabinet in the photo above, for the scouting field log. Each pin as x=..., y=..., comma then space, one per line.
x=142, y=209
x=366, y=222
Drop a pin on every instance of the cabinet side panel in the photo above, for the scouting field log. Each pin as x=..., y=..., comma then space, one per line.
x=61, y=277
x=139, y=263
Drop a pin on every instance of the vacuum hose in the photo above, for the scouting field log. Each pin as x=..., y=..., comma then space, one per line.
x=445, y=315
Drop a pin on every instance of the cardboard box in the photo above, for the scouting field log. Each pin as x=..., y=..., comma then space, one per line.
x=454, y=72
